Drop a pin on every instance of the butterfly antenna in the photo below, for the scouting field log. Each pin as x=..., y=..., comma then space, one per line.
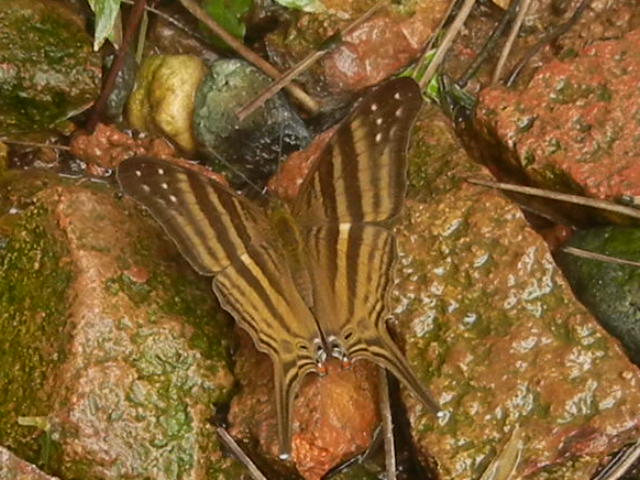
x=261, y=191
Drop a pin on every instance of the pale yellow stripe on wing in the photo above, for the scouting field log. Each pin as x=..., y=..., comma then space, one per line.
x=203, y=245
x=229, y=228
x=283, y=318
x=340, y=183
x=362, y=143
x=386, y=190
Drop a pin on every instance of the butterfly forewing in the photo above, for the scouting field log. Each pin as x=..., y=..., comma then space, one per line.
x=222, y=234
x=210, y=224
x=361, y=174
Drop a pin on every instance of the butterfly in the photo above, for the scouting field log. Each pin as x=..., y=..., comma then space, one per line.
x=308, y=279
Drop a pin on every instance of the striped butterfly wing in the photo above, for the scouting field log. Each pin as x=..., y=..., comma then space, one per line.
x=356, y=186
x=223, y=235
x=360, y=177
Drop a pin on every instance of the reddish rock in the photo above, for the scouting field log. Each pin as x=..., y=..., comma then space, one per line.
x=127, y=377
x=494, y=330
x=577, y=125
x=376, y=49
x=334, y=416
x=13, y=468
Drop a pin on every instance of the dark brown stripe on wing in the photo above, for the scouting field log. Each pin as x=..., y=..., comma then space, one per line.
x=326, y=183
x=350, y=177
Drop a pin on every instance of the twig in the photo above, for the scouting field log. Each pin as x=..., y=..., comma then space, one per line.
x=601, y=257
x=563, y=197
x=387, y=425
x=172, y=21
x=452, y=31
x=551, y=36
x=35, y=145
x=228, y=440
x=304, y=64
x=300, y=95
x=487, y=48
x=620, y=464
x=132, y=25
x=515, y=28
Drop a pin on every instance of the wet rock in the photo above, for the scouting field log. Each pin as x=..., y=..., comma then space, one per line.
x=48, y=69
x=104, y=148
x=334, y=416
x=13, y=468
x=600, y=20
x=168, y=39
x=253, y=147
x=162, y=101
x=610, y=290
x=109, y=341
x=125, y=81
x=493, y=329
x=576, y=126
x=376, y=49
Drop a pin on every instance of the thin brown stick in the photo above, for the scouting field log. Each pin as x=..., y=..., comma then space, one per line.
x=300, y=95
x=35, y=144
x=447, y=41
x=548, y=38
x=515, y=28
x=622, y=463
x=488, y=48
x=563, y=197
x=601, y=257
x=242, y=457
x=387, y=425
x=132, y=26
x=171, y=20
x=303, y=65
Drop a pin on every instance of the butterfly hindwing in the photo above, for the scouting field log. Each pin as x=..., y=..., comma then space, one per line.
x=353, y=265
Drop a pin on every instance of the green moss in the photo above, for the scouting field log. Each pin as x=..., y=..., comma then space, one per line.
x=33, y=284
x=49, y=68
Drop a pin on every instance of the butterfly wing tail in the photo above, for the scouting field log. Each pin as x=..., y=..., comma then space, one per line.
x=287, y=379
x=386, y=353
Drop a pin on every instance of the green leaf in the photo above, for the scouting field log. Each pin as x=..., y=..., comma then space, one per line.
x=230, y=15
x=106, y=12
x=311, y=6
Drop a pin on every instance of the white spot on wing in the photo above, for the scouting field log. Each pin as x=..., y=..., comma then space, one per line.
x=161, y=171
x=173, y=198
x=138, y=173
x=397, y=96
x=145, y=188
x=374, y=107
x=164, y=185
x=399, y=112
x=379, y=121
x=378, y=137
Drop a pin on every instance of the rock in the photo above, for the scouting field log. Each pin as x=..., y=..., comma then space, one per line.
x=610, y=290
x=492, y=327
x=163, y=99
x=48, y=69
x=597, y=21
x=13, y=468
x=576, y=126
x=125, y=81
x=378, y=48
x=252, y=148
x=109, y=340
x=334, y=416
